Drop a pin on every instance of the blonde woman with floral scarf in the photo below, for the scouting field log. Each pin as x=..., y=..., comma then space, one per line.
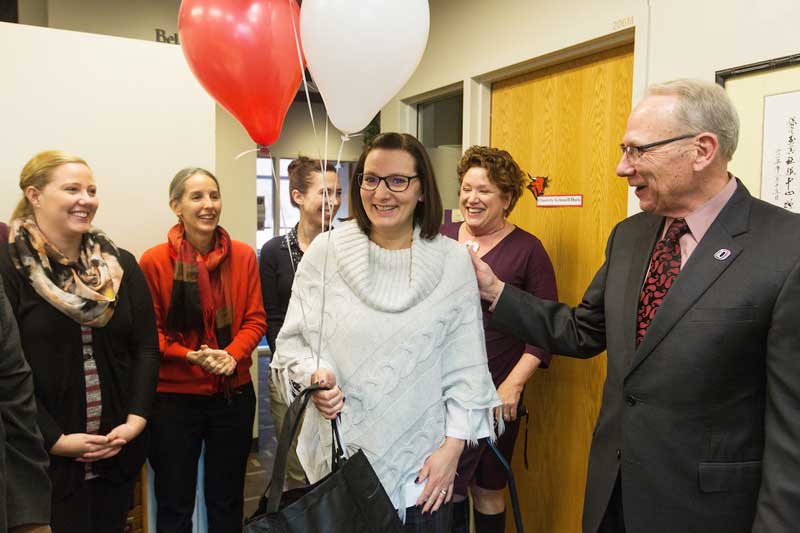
x=88, y=332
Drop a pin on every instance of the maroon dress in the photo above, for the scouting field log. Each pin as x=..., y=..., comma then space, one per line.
x=520, y=260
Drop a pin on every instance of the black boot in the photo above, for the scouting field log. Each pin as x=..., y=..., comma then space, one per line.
x=460, y=517
x=490, y=523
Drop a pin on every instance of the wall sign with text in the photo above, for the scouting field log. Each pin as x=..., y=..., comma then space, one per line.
x=559, y=200
x=163, y=37
x=780, y=172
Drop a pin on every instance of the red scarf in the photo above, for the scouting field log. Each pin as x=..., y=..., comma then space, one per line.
x=201, y=287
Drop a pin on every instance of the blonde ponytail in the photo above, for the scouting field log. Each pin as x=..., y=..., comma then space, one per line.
x=37, y=173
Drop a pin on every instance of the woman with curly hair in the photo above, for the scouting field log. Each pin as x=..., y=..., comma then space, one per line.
x=491, y=184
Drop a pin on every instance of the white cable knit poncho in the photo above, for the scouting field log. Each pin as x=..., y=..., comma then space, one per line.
x=403, y=334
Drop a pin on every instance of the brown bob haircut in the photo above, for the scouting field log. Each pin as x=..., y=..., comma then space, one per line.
x=501, y=168
x=428, y=213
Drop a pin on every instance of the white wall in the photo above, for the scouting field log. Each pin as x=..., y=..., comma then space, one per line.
x=691, y=39
x=471, y=37
x=130, y=108
x=471, y=40
x=237, y=178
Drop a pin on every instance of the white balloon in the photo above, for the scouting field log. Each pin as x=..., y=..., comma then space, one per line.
x=361, y=53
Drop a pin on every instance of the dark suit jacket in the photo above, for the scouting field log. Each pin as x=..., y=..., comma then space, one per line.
x=703, y=419
x=24, y=485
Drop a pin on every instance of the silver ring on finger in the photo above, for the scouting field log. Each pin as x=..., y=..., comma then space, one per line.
x=443, y=492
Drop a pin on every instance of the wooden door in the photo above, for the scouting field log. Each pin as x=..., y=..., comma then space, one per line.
x=565, y=122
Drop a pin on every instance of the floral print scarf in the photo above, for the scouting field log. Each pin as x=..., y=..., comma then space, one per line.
x=86, y=289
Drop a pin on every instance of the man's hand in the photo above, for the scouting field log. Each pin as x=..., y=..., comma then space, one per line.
x=489, y=285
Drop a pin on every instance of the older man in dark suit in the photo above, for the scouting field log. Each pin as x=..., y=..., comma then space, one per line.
x=24, y=484
x=698, y=305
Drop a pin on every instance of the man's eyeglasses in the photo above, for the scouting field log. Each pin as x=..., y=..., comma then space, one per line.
x=395, y=182
x=635, y=152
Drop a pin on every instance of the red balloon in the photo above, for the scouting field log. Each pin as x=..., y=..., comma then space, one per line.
x=244, y=54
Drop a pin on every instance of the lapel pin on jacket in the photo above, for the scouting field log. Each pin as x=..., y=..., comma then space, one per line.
x=722, y=254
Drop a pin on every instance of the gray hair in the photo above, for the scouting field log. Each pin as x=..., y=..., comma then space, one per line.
x=704, y=106
x=178, y=184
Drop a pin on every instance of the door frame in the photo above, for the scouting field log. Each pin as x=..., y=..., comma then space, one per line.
x=477, y=109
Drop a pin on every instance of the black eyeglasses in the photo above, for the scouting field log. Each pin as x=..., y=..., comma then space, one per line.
x=635, y=152
x=395, y=182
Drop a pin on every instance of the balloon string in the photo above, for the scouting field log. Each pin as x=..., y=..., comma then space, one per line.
x=302, y=70
x=251, y=150
x=325, y=203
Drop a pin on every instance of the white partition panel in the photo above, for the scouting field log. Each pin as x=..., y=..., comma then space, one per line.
x=130, y=108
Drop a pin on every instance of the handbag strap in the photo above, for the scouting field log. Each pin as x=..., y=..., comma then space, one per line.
x=338, y=450
x=291, y=424
x=512, y=487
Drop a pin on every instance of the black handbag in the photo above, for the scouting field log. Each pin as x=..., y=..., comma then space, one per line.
x=350, y=499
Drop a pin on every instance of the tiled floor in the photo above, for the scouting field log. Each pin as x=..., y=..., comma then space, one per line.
x=259, y=466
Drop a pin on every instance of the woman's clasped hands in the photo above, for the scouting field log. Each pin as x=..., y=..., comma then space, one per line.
x=217, y=362
x=88, y=448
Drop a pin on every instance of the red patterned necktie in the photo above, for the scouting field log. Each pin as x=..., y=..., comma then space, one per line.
x=665, y=265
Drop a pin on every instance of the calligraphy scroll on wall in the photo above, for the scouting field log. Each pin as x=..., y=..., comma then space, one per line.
x=780, y=160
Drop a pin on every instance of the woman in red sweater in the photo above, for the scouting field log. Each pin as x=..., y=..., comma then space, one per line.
x=210, y=317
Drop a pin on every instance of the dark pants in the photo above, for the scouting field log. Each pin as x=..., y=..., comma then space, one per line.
x=181, y=423
x=613, y=520
x=99, y=506
x=438, y=522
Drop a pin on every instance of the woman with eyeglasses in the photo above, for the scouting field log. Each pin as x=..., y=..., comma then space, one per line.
x=491, y=183
x=88, y=332
x=280, y=257
x=401, y=337
x=207, y=301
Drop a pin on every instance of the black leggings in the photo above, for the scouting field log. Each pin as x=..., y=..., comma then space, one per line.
x=180, y=424
x=98, y=506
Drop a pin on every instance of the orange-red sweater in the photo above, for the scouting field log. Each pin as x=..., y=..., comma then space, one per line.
x=248, y=327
